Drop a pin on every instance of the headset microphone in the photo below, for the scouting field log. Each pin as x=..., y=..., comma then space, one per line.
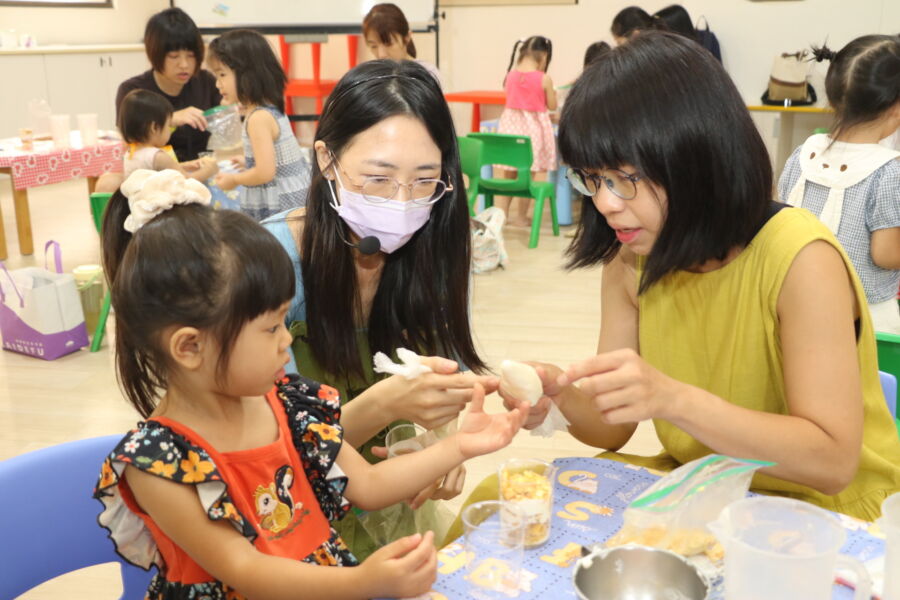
x=368, y=245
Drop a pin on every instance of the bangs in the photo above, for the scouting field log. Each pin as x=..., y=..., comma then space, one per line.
x=183, y=39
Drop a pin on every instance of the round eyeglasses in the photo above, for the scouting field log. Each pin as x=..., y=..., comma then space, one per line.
x=620, y=183
x=380, y=188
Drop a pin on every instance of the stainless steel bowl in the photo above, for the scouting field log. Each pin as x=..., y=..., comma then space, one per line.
x=637, y=573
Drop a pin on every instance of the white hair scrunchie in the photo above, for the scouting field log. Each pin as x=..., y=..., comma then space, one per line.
x=152, y=192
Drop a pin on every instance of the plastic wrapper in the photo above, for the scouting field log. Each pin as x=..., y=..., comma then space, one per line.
x=224, y=126
x=672, y=514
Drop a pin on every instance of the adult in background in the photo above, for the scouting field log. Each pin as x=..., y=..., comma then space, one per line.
x=175, y=50
x=387, y=35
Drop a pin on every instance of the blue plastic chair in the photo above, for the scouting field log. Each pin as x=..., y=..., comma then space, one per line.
x=889, y=386
x=48, y=519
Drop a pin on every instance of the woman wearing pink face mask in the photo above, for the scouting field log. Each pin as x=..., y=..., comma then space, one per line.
x=382, y=255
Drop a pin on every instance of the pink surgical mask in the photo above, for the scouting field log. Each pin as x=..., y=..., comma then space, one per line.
x=391, y=221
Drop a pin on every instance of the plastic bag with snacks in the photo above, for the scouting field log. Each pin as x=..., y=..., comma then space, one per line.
x=673, y=513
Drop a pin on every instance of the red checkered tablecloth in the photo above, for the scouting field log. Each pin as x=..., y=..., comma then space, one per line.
x=47, y=164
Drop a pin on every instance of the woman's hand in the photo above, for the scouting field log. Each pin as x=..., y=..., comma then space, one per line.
x=239, y=161
x=432, y=399
x=623, y=386
x=192, y=116
x=481, y=433
x=226, y=181
x=537, y=413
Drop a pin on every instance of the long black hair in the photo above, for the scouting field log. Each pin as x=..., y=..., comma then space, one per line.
x=422, y=297
x=172, y=30
x=537, y=46
x=631, y=19
x=676, y=19
x=700, y=146
x=189, y=266
x=863, y=80
x=260, y=77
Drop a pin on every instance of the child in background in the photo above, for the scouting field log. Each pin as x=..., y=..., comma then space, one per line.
x=529, y=98
x=629, y=21
x=387, y=35
x=276, y=177
x=145, y=121
x=850, y=181
x=229, y=484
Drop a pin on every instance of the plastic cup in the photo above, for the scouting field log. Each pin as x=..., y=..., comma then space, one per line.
x=89, y=281
x=87, y=125
x=890, y=524
x=494, y=546
x=26, y=135
x=528, y=484
x=59, y=130
x=407, y=438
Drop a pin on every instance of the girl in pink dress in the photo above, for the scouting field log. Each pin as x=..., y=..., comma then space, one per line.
x=529, y=98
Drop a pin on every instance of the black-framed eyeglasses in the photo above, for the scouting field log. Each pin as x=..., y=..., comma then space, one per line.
x=620, y=183
x=378, y=189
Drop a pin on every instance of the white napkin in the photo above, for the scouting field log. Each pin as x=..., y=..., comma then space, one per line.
x=411, y=368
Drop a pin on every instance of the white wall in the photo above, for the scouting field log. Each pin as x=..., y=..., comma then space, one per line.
x=122, y=24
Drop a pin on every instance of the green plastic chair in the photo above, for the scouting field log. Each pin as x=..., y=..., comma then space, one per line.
x=99, y=201
x=889, y=356
x=514, y=151
x=470, y=151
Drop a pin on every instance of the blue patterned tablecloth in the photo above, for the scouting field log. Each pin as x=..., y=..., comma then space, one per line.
x=590, y=497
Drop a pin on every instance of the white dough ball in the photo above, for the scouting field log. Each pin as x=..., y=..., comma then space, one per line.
x=520, y=381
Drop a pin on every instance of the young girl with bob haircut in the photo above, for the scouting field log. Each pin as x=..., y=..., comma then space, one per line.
x=850, y=181
x=145, y=122
x=737, y=324
x=275, y=176
x=229, y=483
x=386, y=170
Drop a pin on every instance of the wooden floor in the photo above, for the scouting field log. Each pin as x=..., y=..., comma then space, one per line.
x=532, y=310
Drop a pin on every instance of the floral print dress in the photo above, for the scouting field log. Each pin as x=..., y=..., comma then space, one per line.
x=280, y=496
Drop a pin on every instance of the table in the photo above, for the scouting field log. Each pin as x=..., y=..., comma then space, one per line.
x=48, y=164
x=477, y=98
x=589, y=497
x=786, y=143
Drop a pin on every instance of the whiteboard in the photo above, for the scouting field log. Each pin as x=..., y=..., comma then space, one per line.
x=285, y=16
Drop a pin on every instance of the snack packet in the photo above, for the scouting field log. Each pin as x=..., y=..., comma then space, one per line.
x=672, y=513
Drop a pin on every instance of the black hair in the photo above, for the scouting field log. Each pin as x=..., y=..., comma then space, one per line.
x=422, y=297
x=676, y=19
x=534, y=47
x=260, y=77
x=387, y=19
x=171, y=30
x=141, y=111
x=629, y=20
x=700, y=146
x=863, y=80
x=189, y=266
x=595, y=51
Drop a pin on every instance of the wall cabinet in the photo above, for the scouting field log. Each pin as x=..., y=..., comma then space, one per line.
x=72, y=82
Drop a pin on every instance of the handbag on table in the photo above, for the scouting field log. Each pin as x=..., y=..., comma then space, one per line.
x=788, y=83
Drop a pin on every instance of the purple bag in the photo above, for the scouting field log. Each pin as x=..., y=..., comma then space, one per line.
x=40, y=311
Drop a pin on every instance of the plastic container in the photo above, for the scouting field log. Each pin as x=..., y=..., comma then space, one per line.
x=890, y=525
x=224, y=126
x=783, y=549
x=87, y=125
x=89, y=281
x=494, y=541
x=60, y=126
x=528, y=485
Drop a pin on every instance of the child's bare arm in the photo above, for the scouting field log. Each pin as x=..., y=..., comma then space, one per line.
x=375, y=486
x=205, y=168
x=549, y=92
x=403, y=568
x=262, y=129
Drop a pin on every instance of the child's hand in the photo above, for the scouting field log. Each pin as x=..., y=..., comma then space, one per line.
x=407, y=567
x=239, y=161
x=191, y=165
x=481, y=433
x=226, y=181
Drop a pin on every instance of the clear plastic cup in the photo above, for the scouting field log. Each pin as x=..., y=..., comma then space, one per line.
x=528, y=484
x=494, y=545
x=407, y=438
x=890, y=524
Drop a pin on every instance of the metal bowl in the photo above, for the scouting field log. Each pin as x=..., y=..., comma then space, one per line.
x=637, y=573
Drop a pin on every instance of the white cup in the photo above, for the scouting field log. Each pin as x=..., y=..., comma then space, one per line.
x=9, y=39
x=59, y=130
x=87, y=124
